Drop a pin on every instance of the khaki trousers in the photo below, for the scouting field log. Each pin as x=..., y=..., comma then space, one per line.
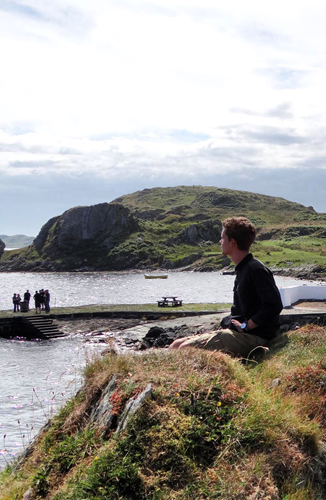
x=233, y=343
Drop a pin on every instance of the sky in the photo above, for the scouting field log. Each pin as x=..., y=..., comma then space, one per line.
x=101, y=98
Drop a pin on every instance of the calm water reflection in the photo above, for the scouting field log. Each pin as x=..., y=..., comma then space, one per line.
x=35, y=379
x=121, y=288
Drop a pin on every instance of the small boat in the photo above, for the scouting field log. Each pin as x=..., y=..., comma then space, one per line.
x=155, y=276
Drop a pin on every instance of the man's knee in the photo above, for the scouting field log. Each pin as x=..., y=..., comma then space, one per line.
x=183, y=345
x=176, y=344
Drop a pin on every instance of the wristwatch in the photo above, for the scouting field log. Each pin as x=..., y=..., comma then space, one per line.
x=244, y=327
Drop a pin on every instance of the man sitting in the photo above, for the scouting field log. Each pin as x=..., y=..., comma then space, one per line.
x=257, y=303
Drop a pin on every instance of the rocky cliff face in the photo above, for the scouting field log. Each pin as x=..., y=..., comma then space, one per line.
x=207, y=232
x=2, y=247
x=40, y=239
x=102, y=224
x=80, y=239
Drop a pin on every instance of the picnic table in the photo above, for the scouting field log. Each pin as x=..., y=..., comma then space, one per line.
x=169, y=301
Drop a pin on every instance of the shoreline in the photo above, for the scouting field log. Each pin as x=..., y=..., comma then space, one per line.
x=103, y=318
x=313, y=272
x=131, y=328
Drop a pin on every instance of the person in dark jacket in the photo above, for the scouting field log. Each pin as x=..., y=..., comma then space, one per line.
x=18, y=301
x=254, y=318
x=42, y=299
x=15, y=301
x=47, y=301
x=37, y=299
x=27, y=298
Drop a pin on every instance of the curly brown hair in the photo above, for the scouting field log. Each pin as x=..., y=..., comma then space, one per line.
x=241, y=230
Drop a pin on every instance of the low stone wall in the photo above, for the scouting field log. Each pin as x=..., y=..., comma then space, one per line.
x=303, y=318
x=133, y=314
x=10, y=327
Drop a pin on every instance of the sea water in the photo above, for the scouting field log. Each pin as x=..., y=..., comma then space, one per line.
x=36, y=378
x=76, y=289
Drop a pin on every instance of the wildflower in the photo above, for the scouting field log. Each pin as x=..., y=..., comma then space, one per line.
x=219, y=403
x=178, y=394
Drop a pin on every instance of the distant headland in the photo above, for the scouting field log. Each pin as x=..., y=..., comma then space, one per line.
x=16, y=240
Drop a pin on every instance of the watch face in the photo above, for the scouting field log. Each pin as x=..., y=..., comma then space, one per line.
x=243, y=326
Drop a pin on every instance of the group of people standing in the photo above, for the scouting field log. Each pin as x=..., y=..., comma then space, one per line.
x=16, y=300
x=41, y=299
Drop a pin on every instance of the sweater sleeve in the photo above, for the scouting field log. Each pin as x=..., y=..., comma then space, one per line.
x=269, y=295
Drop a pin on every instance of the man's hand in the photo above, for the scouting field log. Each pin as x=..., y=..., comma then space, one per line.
x=237, y=324
x=250, y=325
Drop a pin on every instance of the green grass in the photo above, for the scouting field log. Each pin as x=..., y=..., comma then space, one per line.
x=291, y=253
x=219, y=202
x=147, y=308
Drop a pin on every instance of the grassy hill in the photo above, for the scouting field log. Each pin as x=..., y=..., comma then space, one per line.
x=189, y=203
x=289, y=234
x=180, y=227
x=213, y=428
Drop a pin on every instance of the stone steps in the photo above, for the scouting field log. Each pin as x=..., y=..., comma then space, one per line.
x=41, y=327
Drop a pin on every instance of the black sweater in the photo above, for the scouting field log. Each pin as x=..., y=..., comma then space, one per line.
x=256, y=297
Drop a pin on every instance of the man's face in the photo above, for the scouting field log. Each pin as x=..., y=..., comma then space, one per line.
x=225, y=243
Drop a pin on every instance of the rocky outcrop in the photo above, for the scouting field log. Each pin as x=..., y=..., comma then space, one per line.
x=103, y=412
x=306, y=272
x=104, y=418
x=163, y=337
x=207, y=232
x=149, y=214
x=102, y=224
x=269, y=234
x=133, y=406
x=40, y=239
x=80, y=239
x=296, y=231
x=2, y=247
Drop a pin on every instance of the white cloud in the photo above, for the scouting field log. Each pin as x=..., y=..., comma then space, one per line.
x=176, y=89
